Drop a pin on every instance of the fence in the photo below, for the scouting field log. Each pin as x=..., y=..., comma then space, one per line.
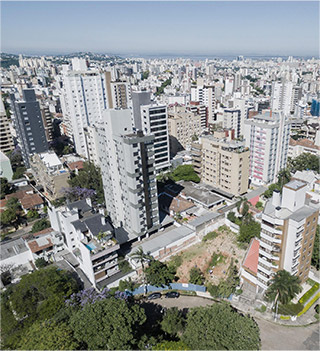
x=174, y=286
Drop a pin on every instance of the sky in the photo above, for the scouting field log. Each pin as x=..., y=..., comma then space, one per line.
x=186, y=28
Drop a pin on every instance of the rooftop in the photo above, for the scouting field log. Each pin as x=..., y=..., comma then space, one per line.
x=252, y=256
x=295, y=184
x=12, y=248
x=50, y=159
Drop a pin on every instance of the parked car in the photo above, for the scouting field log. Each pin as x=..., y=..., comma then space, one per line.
x=172, y=295
x=154, y=296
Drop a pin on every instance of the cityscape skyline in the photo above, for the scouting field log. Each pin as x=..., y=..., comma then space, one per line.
x=217, y=28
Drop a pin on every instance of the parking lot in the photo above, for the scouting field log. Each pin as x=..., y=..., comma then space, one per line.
x=273, y=336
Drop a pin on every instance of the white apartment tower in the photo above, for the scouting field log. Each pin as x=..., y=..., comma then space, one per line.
x=287, y=234
x=127, y=161
x=83, y=100
x=205, y=95
x=282, y=94
x=267, y=135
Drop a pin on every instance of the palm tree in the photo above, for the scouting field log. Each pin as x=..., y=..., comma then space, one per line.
x=284, y=287
x=140, y=256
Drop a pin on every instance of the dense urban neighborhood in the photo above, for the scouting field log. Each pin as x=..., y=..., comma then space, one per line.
x=159, y=203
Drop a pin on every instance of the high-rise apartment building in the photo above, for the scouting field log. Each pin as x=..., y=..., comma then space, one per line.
x=281, y=98
x=83, y=99
x=267, y=135
x=47, y=122
x=118, y=93
x=232, y=120
x=287, y=236
x=184, y=126
x=6, y=141
x=139, y=98
x=223, y=162
x=205, y=95
x=29, y=126
x=127, y=161
x=201, y=110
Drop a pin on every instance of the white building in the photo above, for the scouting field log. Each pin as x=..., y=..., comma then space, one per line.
x=267, y=135
x=285, y=96
x=127, y=162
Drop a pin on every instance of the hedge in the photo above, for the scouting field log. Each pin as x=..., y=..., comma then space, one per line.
x=309, y=293
x=285, y=317
x=309, y=304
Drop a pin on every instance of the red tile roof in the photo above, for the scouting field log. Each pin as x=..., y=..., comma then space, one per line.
x=251, y=260
x=304, y=142
x=34, y=247
x=31, y=200
x=75, y=165
x=254, y=200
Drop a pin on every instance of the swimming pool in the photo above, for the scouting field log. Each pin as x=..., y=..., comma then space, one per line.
x=91, y=246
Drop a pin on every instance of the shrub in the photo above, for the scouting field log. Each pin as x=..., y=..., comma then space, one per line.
x=40, y=225
x=210, y=236
x=309, y=293
x=309, y=304
x=175, y=261
x=124, y=266
x=291, y=309
x=196, y=276
x=215, y=259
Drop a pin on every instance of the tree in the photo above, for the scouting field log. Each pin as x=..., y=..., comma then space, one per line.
x=42, y=293
x=33, y=214
x=232, y=217
x=13, y=203
x=248, y=230
x=126, y=285
x=41, y=262
x=140, y=256
x=185, y=172
x=172, y=322
x=48, y=335
x=5, y=188
x=18, y=173
x=196, y=276
x=171, y=345
x=76, y=193
x=305, y=161
x=8, y=216
x=315, y=260
x=89, y=178
x=284, y=287
x=159, y=274
x=220, y=327
x=110, y=324
x=40, y=225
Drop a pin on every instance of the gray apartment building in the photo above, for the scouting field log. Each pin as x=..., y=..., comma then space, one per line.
x=29, y=125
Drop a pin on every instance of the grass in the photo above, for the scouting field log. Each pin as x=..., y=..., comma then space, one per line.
x=309, y=293
x=210, y=236
x=311, y=281
x=309, y=304
x=216, y=258
x=175, y=261
x=291, y=309
x=262, y=309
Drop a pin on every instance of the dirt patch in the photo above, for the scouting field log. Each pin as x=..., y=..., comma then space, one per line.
x=200, y=256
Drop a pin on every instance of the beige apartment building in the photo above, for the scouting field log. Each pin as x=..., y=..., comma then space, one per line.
x=6, y=141
x=222, y=162
x=49, y=171
x=184, y=126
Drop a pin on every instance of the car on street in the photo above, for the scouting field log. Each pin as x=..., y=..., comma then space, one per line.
x=154, y=296
x=172, y=295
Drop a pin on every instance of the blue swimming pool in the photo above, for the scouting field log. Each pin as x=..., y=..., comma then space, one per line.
x=91, y=246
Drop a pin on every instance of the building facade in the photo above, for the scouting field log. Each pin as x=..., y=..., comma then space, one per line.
x=6, y=141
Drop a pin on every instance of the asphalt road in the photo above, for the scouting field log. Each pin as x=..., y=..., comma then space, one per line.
x=273, y=336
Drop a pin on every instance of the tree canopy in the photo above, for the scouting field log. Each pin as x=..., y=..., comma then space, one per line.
x=305, y=161
x=284, y=286
x=109, y=324
x=40, y=225
x=5, y=187
x=220, y=327
x=196, y=276
x=172, y=322
x=159, y=274
x=315, y=260
x=185, y=172
x=89, y=178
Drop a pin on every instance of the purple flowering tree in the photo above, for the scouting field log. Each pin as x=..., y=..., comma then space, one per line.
x=77, y=193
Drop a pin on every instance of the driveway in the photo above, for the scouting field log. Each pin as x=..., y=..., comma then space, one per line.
x=273, y=336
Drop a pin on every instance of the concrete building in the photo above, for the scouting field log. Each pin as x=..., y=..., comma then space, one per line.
x=267, y=135
x=154, y=120
x=298, y=147
x=287, y=236
x=6, y=141
x=139, y=98
x=29, y=126
x=205, y=95
x=83, y=100
x=127, y=161
x=49, y=171
x=47, y=122
x=184, y=126
x=118, y=93
x=223, y=162
x=285, y=96
x=201, y=110
x=89, y=237
x=5, y=167
x=232, y=120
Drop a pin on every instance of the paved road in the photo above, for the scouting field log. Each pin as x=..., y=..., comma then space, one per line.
x=273, y=336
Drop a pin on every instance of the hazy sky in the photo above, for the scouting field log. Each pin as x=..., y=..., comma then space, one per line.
x=275, y=28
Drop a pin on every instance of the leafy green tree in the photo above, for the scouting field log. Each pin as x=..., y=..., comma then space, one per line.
x=13, y=203
x=284, y=287
x=109, y=324
x=303, y=162
x=40, y=225
x=271, y=188
x=185, y=172
x=249, y=230
x=196, y=276
x=33, y=214
x=48, y=335
x=89, y=178
x=159, y=274
x=41, y=294
x=232, y=217
x=8, y=216
x=140, y=256
x=220, y=327
x=172, y=322
x=171, y=345
x=18, y=173
x=41, y=262
x=126, y=285
x=5, y=187
x=315, y=260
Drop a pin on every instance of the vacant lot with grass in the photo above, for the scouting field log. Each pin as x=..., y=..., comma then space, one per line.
x=212, y=256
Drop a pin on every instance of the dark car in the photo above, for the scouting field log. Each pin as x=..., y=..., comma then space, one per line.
x=154, y=296
x=172, y=295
